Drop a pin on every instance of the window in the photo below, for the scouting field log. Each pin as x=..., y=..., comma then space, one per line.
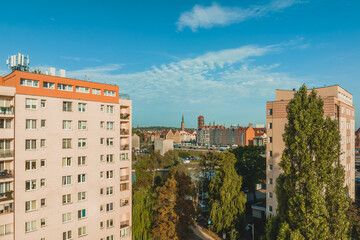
x=66, y=199
x=270, y=181
x=109, y=207
x=42, y=182
x=110, y=174
x=30, y=144
x=66, y=180
x=67, y=235
x=42, y=142
x=124, y=232
x=30, y=185
x=42, y=222
x=124, y=202
x=102, y=108
x=111, y=237
x=65, y=87
x=102, y=124
x=270, y=195
x=30, y=103
x=43, y=123
x=30, y=123
x=110, y=141
x=42, y=162
x=81, y=160
x=30, y=206
x=270, y=111
x=109, y=93
x=270, y=153
x=96, y=91
x=82, y=142
x=81, y=196
x=82, y=89
x=81, y=213
x=5, y=229
x=43, y=103
x=82, y=107
x=67, y=124
x=270, y=139
x=101, y=224
x=270, y=209
x=109, y=223
x=49, y=85
x=30, y=226
x=124, y=186
x=66, y=217
x=29, y=83
x=101, y=208
x=109, y=190
x=42, y=202
x=30, y=165
x=124, y=156
x=66, y=143
x=101, y=158
x=67, y=106
x=101, y=191
x=81, y=231
x=5, y=123
x=81, y=178
x=270, y=167
x=110, y=158
x=102, y=174
x=109, y=109
x=102, y=141
x=270, y=125
x=82, y=125
x=110, y=125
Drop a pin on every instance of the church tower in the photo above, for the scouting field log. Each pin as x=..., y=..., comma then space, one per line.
x=182, y=123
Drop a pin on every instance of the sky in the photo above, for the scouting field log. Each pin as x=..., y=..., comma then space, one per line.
x=220, y=59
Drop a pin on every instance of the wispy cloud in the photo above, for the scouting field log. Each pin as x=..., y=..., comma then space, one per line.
x=214, y=77
x=216, y=15
x=81, y=59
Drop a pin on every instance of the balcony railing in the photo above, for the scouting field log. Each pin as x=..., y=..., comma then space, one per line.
x=124, y=96
x=7, y=110
x=124, y=203
x=6, y=196
x=124, y=147
x=8, y=208
x=124, y=131
x=6, y=174
x=124, y=116
x=124, y=177
x=124, y=224
x=6, y=153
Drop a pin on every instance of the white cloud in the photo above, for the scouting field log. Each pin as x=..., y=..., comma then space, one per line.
x=216, y=15
x=81, y=59
x=215, y=77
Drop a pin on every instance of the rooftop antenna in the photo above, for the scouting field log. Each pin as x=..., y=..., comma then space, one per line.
x=18, y=62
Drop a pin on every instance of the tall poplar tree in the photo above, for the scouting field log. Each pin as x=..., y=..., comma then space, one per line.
x=312, y=199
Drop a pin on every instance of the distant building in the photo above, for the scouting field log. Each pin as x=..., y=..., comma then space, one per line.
x=357, y=139
x=163, y=145
x=135, y=142
x=182, y=123
x=260, y=139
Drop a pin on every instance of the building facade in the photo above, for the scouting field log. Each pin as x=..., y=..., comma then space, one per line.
x=65, y=149
x=338, y=104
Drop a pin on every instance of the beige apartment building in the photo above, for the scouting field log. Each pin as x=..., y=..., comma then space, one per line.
x=338, y=104
x=65, y=159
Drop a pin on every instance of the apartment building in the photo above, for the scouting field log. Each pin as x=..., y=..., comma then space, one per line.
x=338, y=104
x=65, y=159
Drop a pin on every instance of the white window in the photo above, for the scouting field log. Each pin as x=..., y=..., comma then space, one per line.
x=109, y=93
x=66, y=143
x=43, y=202
x=67, y=124
x=30, y=144
x=31, y=103
x=82, y=125
x=96, y=91
x=81, y=196
x=111, y=237
x=67, y=235
x=81, y=213
x=66, y=217
x=82, y=142
x=30, y=165
x=102, y=124
x=43, y=103
x=109, y=109
x=30, y=226
x=110, y=174
x=82, y=107
x=82, y=89
x=124, y=156
x=101, y=158
x=66, y=161
x=29, y=83
x=42, y=182
x=30, y=206
x=109, y=190
x=67, y=106
x=5, y=229
x=43, y=123
x=109, y=223
x=81, y=231
x=124, y=232
x=82, y=178
x=102, y=107
x=5, y=123
x=66, y=199
x=42, y=222
x=82, y=160
x=110, y=125
x=42, y=142
x=49, y=85
x=65, y=87
x=110, y=141
x=42, y=163
x=102, y=141
x=66, y=180
x=109, y=207
x=30, y=185
x=30, y=123
x=110, y=158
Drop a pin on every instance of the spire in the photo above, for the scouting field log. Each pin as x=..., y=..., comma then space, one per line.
x=182, y=119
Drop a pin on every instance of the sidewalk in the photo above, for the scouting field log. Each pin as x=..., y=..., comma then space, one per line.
x=201, y=234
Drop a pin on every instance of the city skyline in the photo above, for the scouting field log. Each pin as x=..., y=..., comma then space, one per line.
x=220, y=59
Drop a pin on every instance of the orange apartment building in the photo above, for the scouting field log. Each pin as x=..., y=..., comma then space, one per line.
x=65, y=159
x=338, y=104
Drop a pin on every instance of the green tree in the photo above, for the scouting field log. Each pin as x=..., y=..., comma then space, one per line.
x=169, y=159
x=227, y=201
x=312, y=202
x=354, y=219
x=144, y=200
x=184, y=154
x=166, y=219
x=251, y=165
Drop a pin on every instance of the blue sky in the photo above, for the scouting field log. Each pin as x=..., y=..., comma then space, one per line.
x=220, y=59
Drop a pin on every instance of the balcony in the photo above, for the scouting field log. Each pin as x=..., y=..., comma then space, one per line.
x=6, y=174
x=6, y=196
x=124, y=177
x=6, y=208
x=124, y=96
x=124, y=147
x=7, y=110
x=6, y=153
x=124, y=224
x=124, y=131
x=124, y=116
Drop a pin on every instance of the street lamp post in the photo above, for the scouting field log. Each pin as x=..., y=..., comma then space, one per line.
x=252, y=229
